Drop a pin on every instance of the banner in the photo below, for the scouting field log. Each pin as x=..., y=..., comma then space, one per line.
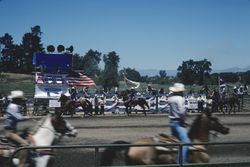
x=131, y=84
x=50, y=91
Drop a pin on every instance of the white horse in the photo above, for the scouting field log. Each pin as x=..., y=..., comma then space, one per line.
x=48, y=130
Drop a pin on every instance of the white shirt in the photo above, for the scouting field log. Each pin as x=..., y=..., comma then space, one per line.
x=177, y=107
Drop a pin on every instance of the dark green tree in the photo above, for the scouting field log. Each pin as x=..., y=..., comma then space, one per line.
x=193, y=72
x=90, y=63
x=110, y=72
x=163, y=74
x=203, y=70
x=31, y=44
x=131, y=74
x=9, y=51
x=245, y=77
x=77, y=62
x=186, y=72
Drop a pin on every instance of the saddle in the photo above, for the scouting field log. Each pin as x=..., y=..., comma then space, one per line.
x=162, y=138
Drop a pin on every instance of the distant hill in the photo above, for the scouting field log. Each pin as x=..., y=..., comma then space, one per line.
x=233, y=69
x=154, y=72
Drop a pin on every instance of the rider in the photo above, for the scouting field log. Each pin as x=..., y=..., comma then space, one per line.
x=132, y=93
x=73, y=93
x=177, y=117
x=13, y=116
x=235, y=91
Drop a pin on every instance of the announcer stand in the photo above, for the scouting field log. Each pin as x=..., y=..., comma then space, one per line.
x=50, y=80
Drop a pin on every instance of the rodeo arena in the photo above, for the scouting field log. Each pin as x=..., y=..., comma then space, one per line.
x=69, y=126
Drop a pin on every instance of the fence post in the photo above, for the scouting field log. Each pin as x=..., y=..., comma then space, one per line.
x=96, y=156
x=156, y=103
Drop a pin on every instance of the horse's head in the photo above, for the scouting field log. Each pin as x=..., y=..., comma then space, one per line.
x=214, y=124
x=62, y=126
x=205, y=123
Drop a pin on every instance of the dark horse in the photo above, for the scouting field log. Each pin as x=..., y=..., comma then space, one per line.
x=131, y=103
x=149, y=155
x=69, y=106
x=230, y=100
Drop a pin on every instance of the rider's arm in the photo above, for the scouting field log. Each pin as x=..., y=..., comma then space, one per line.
x=15, y=112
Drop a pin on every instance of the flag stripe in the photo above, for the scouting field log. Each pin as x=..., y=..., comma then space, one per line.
x=80, y=80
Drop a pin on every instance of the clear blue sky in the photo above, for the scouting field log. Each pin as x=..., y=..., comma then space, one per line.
x=146, y=34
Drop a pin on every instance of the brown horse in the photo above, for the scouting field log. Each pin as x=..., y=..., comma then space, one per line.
x=131, y=103
x=229, y=101
x=149, y=155
x=69, y=106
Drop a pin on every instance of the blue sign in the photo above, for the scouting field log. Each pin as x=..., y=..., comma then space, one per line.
x=53, y=62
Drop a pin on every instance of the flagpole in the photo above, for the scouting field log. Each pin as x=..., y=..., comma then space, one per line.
x=219, y=82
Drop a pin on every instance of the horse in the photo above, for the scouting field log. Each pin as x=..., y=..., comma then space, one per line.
x=69, y=106
x=150, y=155
x=132, y=102
x=49, y=129
x=228, y=100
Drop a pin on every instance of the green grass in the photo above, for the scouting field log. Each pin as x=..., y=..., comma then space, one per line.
x=11, y=81
x=24, y=82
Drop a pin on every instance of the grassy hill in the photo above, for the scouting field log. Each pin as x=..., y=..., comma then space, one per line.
x=12, y=81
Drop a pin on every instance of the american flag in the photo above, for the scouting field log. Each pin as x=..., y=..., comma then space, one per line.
x=78, y=79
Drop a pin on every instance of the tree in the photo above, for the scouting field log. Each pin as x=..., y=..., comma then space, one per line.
x=90, y=63
x=31, y=44
x=163, y=74
x=110, y=72
x=202, y=69
x=77, y=62
x=186, y=72
x=131, y=74
x=191, y=72
x=7, y=59
x=246, y=77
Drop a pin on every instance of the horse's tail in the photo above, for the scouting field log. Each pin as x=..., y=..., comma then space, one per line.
x=109, y=154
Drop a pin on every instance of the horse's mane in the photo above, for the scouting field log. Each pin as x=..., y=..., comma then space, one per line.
x=39, y=124
x=195, y=127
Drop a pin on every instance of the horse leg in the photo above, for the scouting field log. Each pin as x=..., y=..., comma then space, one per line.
x=231, y=107
x=144, y=111
x=126, y=110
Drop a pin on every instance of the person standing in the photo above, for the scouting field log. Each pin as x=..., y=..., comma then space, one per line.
x=177, y=115
x=102, y=103
x=96, y=104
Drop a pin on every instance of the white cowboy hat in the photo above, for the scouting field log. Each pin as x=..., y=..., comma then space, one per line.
x=16, y=94
x=178, y=87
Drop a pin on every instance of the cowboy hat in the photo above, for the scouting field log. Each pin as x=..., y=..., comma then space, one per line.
x=16, y=94
x=178, y=87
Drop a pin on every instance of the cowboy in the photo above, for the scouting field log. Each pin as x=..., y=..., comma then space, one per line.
x=132, y=93
x=149, y=91
x=177, y=117
x=73, y=93
x=235, y=91
x=13, y=116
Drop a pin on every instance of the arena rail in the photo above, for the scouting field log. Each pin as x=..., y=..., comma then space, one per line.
x=97, y=148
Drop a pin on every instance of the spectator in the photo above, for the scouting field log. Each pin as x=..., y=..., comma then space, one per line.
x=200, y=104
x=96, y=104
x=101, y=104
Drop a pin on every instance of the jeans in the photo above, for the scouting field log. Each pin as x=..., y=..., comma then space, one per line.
x=181, y=133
